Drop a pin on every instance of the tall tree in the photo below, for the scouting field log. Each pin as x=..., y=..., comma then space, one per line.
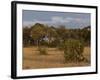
x=38, y=32
x=26, y=36
x=61, y=30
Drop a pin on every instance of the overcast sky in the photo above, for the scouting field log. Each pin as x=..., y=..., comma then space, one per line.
x=68, y=19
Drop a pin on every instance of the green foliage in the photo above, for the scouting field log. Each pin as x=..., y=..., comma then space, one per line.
x=44, y=43
x=36, y=35
x=26, y=36
x=73, y=50
x=62, y=32
x=86, y=36
x=53, y=43
x=42, y=51
x=37, y=31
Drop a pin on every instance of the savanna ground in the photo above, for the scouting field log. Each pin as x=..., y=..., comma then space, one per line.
x=54, y=59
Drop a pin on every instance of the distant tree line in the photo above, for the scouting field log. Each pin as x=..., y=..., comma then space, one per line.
x=51, y=36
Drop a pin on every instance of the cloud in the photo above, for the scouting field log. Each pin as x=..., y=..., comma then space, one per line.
x=66, y=19
x=58, y=20
x=73, y=19
x=29, y=23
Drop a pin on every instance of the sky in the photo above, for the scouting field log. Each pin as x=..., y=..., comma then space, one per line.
x=52, y=18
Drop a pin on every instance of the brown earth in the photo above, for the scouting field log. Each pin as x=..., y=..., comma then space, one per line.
x=55, y=58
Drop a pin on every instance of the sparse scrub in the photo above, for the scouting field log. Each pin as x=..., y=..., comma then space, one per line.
x=42, y=51
x=56, y=46
x=73, y=50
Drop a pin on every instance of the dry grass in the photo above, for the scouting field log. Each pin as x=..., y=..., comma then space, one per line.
x=32, y=59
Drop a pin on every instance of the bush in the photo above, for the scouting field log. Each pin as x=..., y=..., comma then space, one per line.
x=42, y=50
x=44, y=43
x=73, y=50
x=61, y=46
x=53, y=44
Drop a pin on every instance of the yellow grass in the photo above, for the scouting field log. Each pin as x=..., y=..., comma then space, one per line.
x=55, y=58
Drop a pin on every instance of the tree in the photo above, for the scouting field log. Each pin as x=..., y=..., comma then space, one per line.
x=51, y=34
x=38, y=32
x=62, y=34
x=86, y=35
x=26, y=36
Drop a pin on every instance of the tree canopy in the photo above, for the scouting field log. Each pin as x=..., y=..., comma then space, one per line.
x=41, y=33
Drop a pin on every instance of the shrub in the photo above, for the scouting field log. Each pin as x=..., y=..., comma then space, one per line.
x=73, y=50
x=42, y=51
x=53, y=43
x=44, y=43
x=61, y=46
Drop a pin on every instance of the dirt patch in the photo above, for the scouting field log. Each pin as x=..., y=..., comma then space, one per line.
x=55, y=58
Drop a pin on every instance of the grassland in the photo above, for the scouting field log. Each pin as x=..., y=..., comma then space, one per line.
x=55, y=58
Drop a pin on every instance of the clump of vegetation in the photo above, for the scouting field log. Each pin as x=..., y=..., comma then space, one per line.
x=73, y=50
x=42, y=51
